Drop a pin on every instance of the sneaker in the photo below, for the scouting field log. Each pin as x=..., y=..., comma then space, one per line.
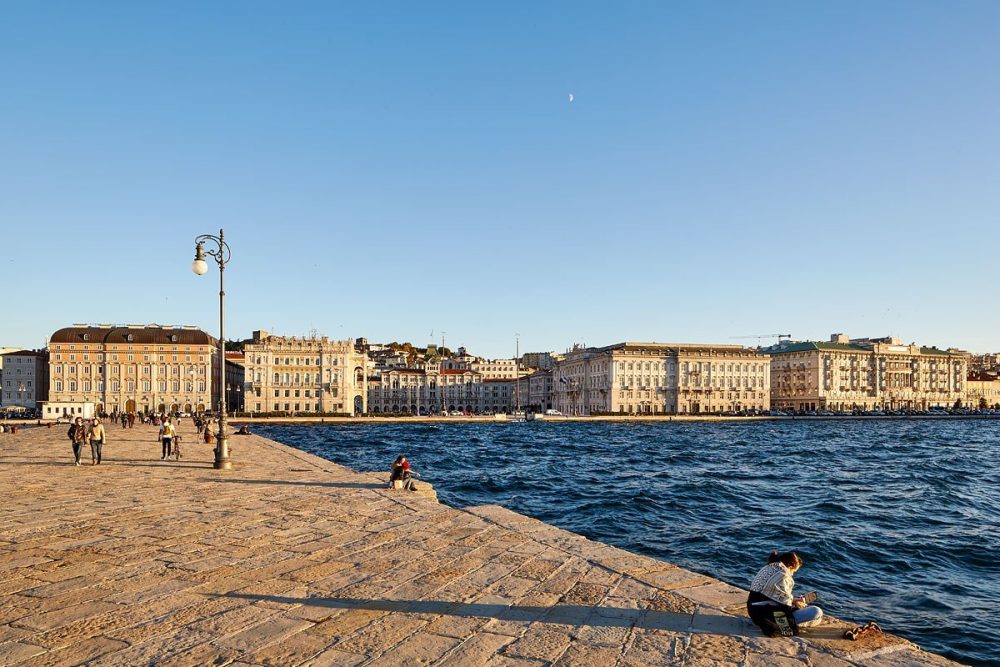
x=162, y=458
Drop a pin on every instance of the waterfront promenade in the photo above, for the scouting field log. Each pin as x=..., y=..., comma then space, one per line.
x=289, y=559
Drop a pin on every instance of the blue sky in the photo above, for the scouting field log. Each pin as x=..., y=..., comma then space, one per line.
x=391, y=169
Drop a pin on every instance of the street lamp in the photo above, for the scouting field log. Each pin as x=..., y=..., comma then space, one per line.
x=222, y=255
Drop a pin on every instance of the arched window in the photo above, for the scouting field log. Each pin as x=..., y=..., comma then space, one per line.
x=277, y=378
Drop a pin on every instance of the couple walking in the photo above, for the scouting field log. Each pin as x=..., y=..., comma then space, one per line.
x=81, y=434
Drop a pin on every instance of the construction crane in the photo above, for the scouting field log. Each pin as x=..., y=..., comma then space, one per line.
x=760, y=337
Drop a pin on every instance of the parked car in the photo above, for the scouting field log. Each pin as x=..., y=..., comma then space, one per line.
x=554, y=413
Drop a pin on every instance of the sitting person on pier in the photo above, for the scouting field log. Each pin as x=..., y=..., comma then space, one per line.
x=244, y=430
x=770, y=603
x=400, y=473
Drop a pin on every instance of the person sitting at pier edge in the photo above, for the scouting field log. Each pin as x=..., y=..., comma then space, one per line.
x=244, y=430
x=770, y=603
x=400, y=473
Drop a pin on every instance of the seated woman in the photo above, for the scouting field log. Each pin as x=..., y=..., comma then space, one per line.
x=400, y=473
x=244, y=430
x=771, y=604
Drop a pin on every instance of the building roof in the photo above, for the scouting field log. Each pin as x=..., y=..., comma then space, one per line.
x=24, y=353
x=805, y=346
x=141, y=334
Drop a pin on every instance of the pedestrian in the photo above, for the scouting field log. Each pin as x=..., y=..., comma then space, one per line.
x=124, y=419
x=96, y=436
x=78, y=437
x=167, y=432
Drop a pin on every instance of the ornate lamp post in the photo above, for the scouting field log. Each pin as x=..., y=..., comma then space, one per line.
x=222, y=255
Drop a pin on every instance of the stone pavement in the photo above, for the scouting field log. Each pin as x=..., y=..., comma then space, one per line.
x=289, y=559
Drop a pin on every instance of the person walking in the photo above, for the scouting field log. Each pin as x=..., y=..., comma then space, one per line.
x=78, y=437
x=167, y=432
x=96, y=436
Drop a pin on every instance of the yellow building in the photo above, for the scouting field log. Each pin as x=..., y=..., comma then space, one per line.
x=864, y=374
x=982, y=390
x=131, y=368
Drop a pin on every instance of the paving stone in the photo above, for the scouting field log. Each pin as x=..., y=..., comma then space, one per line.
x=656, y=647
x=421, y=648
x=270, y=631
x=475, y=650
x=585, y=654
x=538, y=644
x=63, y=616
x=11, y=652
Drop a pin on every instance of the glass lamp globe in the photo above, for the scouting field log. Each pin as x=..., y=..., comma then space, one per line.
x=199, y=266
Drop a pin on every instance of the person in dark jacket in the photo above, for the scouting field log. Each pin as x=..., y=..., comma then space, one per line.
x=78, y=437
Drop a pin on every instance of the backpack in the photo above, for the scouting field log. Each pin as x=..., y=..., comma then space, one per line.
x=773, y=619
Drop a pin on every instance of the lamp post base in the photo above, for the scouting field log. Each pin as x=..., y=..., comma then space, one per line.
x=222, y=461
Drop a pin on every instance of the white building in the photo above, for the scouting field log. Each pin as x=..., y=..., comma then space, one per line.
x=25, y=380
x=314, y=375
x=661, y=378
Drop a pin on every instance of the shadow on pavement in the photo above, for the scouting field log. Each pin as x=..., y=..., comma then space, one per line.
x=339, y=485
x=613, y=617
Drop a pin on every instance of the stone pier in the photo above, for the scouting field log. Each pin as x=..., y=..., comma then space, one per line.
x=289, y=559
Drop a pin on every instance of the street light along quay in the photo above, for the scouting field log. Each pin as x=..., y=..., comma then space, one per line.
x=222, y=255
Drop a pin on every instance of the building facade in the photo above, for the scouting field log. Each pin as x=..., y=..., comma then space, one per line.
x=661, y=378
x=235, y=381
x=982, y=390
x=864, y=374
x=131, y=368
x=438, y=388
x=25, y=380
x=534, y=391
x=314, y=375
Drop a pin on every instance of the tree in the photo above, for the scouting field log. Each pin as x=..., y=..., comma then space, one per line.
x=958, y=404
x=983, y=404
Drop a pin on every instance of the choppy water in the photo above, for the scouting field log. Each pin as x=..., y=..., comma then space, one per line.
x=898, y=520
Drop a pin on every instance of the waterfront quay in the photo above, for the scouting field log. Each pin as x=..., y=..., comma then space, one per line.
x=289, y=559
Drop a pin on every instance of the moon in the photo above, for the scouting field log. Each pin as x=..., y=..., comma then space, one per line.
x=571, y=97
